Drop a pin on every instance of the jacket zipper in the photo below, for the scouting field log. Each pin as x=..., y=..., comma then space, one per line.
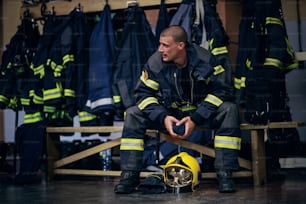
x=178, y=92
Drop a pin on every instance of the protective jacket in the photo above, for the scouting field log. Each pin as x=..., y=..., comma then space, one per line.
x=159, y=89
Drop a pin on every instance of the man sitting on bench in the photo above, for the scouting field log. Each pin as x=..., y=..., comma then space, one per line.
x=181, y=87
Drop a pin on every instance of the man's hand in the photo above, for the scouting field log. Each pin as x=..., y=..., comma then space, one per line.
x=168, y=122
x=189, y=126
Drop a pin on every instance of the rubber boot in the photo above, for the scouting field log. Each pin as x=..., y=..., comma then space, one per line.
x=129, y=180
x=226, y=183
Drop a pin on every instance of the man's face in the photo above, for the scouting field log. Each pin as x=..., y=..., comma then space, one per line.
x=169, y=48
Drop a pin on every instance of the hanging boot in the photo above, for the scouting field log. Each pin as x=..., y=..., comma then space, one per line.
x=129, y=181
x=226, y=183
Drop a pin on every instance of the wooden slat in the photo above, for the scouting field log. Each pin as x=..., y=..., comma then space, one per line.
x=92, y=129
x=88, y=6
x=85, y=172
x=86, y=153
x=104, y=129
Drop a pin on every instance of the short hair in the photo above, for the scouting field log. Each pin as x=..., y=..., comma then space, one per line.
x=177, y=32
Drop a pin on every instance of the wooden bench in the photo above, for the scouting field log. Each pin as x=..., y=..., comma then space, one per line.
x=255, y=168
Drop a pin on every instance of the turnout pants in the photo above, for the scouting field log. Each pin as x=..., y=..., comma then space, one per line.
x=226, y=137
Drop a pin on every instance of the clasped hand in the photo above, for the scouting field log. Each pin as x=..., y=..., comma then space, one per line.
x=189, y=126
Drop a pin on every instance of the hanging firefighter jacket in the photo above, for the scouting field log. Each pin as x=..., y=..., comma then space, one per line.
x=101, y=55
x=218, y=39
x=163, y=19
x=136, y=44
x=264, y=57
x=17, y=77
x=60, y=64
x=184, y=17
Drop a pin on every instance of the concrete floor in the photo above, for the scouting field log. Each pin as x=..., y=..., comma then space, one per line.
x=290, y=189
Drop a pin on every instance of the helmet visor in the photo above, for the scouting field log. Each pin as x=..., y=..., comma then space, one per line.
x=177, y=176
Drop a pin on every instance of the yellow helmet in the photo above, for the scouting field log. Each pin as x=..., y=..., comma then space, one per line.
x=181, y=173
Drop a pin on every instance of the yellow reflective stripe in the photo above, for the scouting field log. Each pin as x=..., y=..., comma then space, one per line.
x=243, y=79
x=248, y=63
x=68, y=58
x=53, y=93
x=227, y=142
x=49, y=109
x=271, y=20
x=148, y=82
x=117, y=99
x=38, y=70
x=131, y=144
x=213, y=100
x=38, y=99
x=147, y=101
x=4, y=99
x=218, y=69
x=273, y=62
x=219, y=50
x=187, y=108
x=69, y=92
x=237, y=83
x=25, y=101
x=33, y=117
x=86, y=116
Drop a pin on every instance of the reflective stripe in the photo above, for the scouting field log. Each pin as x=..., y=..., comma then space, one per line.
x=53, y=93
x=271, y=20
x=69, y=92
x=227, y=142
x=131, y=144
x=25, y=101
x=148, y=82
x=33, y=117
x=49, y=109
x=147, y=101
x=38, y=70
x=213, y=100
x=68, y=58
x=273, y=62
x=243, y=79
x=219, y=51
x=38, y=99
x=218, y=69
x=99, y=102
x=187, y=108
x=237, y=83
x=117, y=99
x=4, y=99
x=86, y=116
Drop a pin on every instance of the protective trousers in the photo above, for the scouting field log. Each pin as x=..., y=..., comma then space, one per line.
x=225, y=122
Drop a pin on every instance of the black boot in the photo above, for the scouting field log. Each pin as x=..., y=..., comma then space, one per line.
x=129, y=180
x=226, y=183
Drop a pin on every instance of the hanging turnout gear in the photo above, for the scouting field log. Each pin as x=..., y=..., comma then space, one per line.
x=18, y=79
x=264, y=58
x=267, y=58
x=131, y=55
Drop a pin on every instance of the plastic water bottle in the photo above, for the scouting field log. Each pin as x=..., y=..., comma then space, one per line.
x=106, y=159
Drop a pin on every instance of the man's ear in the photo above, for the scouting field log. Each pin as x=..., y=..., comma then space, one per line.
x=182, y=45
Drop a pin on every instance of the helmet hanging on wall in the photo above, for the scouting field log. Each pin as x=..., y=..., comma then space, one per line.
x=181, y=173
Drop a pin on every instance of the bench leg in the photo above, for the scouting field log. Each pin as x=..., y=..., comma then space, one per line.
x=258, y=157
x=53, y=154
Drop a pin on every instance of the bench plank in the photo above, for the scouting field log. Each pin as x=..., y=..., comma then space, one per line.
x=257, y=166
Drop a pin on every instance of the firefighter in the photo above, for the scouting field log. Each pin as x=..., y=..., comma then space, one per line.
x=181, y=86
